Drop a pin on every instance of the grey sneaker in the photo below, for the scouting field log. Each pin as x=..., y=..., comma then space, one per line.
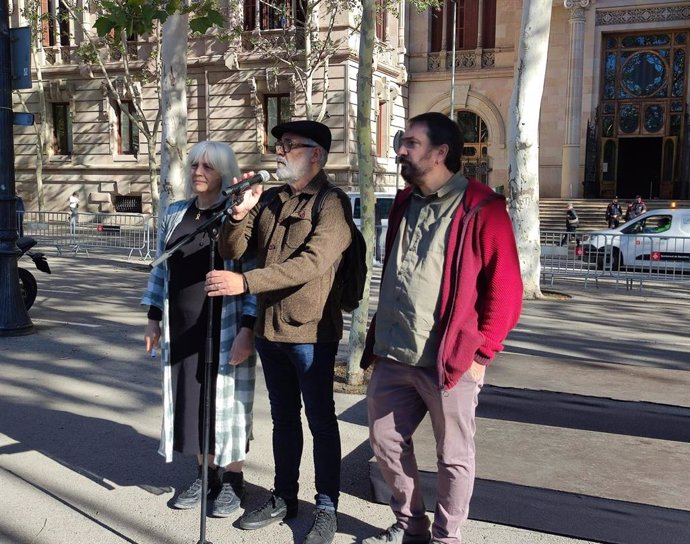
x=276, y=508
x=397, y=535
x=191, y=496
x=229, y=496
x=323, y=529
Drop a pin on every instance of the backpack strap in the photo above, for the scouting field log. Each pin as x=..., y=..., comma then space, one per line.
x=320, y=199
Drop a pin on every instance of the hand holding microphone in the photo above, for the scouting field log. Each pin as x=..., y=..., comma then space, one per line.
x=245, y=199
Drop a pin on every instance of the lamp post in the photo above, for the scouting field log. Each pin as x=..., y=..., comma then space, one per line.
x=14, y=320
x=452, y=61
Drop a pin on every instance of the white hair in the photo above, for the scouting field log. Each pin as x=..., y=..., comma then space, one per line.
x=219, y=156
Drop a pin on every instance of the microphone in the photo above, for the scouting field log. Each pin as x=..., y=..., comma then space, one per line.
x=260, y=177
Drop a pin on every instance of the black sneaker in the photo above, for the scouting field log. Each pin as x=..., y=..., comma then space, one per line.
x=324, y=528
x=230, y=495
x=276, y=508
x=191, y=496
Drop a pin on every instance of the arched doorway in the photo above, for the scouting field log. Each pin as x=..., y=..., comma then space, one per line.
x=641, y=114
x=475, y=154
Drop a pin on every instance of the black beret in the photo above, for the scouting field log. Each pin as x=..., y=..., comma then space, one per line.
x=314, y=130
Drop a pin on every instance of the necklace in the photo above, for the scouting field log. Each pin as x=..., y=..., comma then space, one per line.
x=199, y=209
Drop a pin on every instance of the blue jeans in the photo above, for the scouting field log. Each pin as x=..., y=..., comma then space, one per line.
x=291, y=369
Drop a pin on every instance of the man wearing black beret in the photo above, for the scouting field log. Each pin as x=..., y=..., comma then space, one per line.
x=299, y=322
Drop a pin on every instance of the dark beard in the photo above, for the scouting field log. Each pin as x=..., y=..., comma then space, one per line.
x=410, y=172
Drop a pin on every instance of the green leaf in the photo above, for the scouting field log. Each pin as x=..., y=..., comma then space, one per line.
x=200, y=25
x=216, y=18
x=103, y=26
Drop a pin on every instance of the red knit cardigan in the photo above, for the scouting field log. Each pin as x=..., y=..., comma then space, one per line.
x=481, y=288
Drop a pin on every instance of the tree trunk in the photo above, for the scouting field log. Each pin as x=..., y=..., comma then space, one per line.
x=309, y=73
x=174, y=110
x=523, y=138
x=366, y=186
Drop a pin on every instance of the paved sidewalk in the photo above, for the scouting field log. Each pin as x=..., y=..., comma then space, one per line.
x=80, y=416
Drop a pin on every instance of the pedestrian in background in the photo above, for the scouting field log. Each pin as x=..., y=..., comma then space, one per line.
x=299, y=321
x=614, y=213
x=73, y=206
x=177, y=326
x=20, y=215
x=572, y=222
x=638, y=207
x=450, y=293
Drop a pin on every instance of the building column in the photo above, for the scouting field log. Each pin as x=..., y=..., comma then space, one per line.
x=402, y=50
x=480, y=37
x=570, y=172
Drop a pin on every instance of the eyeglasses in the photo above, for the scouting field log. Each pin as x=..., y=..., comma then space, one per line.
x=289, y=145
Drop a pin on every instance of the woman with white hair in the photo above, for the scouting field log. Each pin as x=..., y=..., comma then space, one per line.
x=177, y=325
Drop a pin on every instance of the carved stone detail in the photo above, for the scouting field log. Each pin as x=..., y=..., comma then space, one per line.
x=434, y=62
x=570, y=4
x=643, y=15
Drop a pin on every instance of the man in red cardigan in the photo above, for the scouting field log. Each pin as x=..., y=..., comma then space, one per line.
x=450, y=293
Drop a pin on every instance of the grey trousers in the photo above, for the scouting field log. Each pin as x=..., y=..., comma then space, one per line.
x=398, y=398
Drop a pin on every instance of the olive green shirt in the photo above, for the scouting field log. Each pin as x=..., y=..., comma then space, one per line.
x=407, y=315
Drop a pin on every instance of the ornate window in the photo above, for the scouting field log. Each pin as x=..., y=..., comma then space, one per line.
x=643, y=91
x=381, y=15
x=62, y=128
x=475, y=153
x=56, y=24
x=269, y=15
x=475, y=132
x=127, y=130
x=475, y=25
x=642, y=112
x=276, y=111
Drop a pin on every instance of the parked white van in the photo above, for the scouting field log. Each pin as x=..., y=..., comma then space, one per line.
x=656, y=239
x=384, y=201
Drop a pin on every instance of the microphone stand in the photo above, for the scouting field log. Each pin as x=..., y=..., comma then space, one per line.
x=211, y=226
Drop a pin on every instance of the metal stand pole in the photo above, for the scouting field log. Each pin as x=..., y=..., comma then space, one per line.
x=14, y=319
x=208, y=365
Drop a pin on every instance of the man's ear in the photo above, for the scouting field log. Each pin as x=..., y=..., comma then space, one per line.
x=443, y=150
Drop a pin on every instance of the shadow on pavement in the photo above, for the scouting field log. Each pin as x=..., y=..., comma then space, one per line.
x=107, y=453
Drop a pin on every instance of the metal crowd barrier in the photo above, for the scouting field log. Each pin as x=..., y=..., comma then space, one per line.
x=624, y=259
x=88, y=231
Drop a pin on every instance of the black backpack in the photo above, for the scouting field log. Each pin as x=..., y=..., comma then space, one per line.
x=352, y=272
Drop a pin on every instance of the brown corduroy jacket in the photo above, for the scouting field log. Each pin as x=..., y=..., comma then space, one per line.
x=296, y=264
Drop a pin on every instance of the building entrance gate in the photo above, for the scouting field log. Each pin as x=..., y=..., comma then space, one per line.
x=641, y=114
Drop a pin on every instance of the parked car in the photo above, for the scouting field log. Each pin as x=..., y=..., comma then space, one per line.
x=657, y=239
x=384, y=201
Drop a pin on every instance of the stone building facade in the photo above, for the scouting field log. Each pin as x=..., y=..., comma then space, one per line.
x=234, y=95
x=614, y=110
x=613, y=114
